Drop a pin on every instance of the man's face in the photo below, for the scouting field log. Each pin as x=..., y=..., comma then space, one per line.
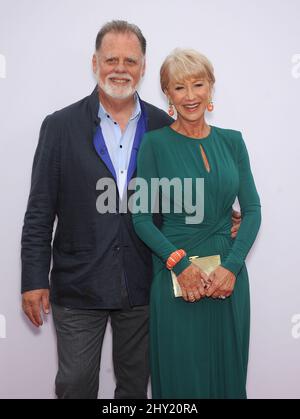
x=119, y=64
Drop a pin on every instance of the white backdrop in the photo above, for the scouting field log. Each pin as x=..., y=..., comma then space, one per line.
x=45, y=52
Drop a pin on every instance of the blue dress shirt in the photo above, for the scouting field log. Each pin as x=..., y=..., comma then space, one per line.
x=119, y=145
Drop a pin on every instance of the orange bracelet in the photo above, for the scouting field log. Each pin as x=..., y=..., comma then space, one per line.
x=174, y=258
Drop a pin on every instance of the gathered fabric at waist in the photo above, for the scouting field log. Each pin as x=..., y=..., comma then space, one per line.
x=217, y=243
x=200, y=236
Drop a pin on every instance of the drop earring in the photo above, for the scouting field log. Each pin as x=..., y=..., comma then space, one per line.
x=210, y=106
x=171, y=109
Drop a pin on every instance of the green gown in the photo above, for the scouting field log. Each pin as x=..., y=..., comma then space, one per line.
x=199, y=350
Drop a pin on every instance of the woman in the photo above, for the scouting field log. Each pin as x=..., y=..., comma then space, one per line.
x=199, y=343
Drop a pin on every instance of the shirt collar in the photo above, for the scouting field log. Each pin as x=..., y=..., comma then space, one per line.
x=135, y=114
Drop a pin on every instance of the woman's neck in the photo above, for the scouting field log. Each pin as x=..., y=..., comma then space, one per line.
x=193, y=129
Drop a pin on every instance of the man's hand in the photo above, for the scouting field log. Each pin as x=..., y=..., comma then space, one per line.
x=192, y=281
x=32, y=302
x=222, y=283
x=236, y=223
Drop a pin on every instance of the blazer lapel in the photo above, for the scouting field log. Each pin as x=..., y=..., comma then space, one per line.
x=102, y=151
x=140, y=131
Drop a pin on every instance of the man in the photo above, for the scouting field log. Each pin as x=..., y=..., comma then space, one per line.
x=100, y=267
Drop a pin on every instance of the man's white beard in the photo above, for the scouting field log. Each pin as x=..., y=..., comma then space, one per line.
x=117, y=92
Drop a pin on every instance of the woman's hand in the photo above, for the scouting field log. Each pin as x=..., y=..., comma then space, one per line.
x=220, y=283
x=192, y=283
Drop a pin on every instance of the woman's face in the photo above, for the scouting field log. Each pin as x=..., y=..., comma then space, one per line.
x=190, y=97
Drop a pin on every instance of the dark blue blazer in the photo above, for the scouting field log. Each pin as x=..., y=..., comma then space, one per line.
x=89, y=250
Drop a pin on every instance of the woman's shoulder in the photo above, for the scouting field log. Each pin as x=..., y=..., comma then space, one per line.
x=154, y=136
x=156, y=133
x=230, y=134
x=151, y=143
x=233, y=139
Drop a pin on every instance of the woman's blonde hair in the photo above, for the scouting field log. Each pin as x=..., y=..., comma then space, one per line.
x=183, y=64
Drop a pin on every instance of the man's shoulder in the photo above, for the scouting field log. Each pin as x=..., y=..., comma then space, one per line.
x=157, y=118
x=71, y=112
x=154, y=109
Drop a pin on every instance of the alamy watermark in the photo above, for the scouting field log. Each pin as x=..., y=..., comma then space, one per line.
x=2, y=67
x=2, y=326
x=296, y=66
x=296, y=326
x=160, y=195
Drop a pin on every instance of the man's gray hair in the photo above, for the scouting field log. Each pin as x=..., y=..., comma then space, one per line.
x=120, y=26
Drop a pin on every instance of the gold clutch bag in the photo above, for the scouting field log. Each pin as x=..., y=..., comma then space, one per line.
x=207, y=264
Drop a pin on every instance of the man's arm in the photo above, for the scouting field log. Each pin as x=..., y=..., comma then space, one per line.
x=33, y=302
x=236, y=223
x=38, y=223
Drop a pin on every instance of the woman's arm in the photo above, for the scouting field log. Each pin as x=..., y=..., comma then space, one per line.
x=143, y=221
x=223, y=278
x=190, y=277
x=251, y=213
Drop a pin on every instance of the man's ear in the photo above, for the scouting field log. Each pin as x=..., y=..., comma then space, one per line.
x=144, y=67
x=94, y=63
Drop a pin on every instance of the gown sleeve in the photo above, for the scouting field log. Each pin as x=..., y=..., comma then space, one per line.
x=143, y=220
x=250, y=210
